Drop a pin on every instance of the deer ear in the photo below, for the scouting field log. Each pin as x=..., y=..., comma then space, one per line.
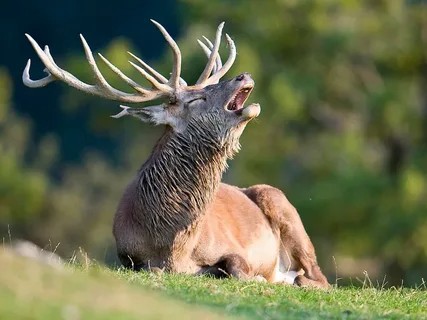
x=153, y=114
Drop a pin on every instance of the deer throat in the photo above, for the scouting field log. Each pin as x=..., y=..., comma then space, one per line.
x=177, y=183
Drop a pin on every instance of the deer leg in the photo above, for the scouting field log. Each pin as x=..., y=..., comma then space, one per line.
x=231, y=265
x=296, y=246
x=303, y=281
x=236, y=266
x=306, y=260
x=135, y=264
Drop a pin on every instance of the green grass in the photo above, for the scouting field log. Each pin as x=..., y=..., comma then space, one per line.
x=265, y=301
x=29, y=290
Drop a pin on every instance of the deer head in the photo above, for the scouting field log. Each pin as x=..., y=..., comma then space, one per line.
x=210, y=105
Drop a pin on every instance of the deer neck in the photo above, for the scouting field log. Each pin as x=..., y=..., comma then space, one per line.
x=179, y=180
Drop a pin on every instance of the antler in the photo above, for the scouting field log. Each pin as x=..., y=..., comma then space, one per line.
x=207, y=50
x=161, y=86
x=214, y=64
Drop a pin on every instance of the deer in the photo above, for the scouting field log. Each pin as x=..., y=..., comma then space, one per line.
x=176, y=215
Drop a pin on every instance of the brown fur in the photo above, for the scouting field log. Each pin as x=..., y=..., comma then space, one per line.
x=242, y=233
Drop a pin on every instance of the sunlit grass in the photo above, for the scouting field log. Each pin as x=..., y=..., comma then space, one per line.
x=34, y=291
x=255, y=300
x=31, y=290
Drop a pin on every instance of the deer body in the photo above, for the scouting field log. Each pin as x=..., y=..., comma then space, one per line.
x=176, y=210
x=210, y=237
x=176, y=215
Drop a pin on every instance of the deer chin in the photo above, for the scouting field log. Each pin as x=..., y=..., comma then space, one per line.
x=251, y=111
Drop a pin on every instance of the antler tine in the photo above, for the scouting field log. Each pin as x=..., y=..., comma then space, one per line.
x=99, y=78
x=47, y=52
x=176, y=70
x=227, y=65
x=35, y=83
x=160, y=86
x=125, y=78
x=218, y=57
x=207, y=51
x=66, y=73
x=105, y=86
x=208, y=68
x=156, y=74
x=54, y=73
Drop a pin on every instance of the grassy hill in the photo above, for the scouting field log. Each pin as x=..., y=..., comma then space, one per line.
x=30, y=290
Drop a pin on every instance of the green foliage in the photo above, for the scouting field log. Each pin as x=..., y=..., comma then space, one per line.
x=22, y=189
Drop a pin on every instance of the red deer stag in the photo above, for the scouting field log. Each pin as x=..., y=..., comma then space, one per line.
x=176, y=215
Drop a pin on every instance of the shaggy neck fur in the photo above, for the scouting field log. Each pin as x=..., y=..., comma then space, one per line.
x=180, y=178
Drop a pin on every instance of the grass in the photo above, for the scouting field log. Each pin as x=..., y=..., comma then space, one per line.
x=265, y=301
x=29, y=290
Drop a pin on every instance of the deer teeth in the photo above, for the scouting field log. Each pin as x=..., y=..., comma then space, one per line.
x=239, y=98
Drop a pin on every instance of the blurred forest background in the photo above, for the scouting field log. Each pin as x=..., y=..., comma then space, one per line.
x=343, y=128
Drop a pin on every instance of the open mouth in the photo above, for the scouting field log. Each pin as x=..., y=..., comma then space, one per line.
x=236, y=103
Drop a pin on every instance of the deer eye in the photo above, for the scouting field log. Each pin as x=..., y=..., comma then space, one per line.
x=195, y=100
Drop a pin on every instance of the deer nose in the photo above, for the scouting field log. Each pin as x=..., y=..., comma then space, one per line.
x=242, y=76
